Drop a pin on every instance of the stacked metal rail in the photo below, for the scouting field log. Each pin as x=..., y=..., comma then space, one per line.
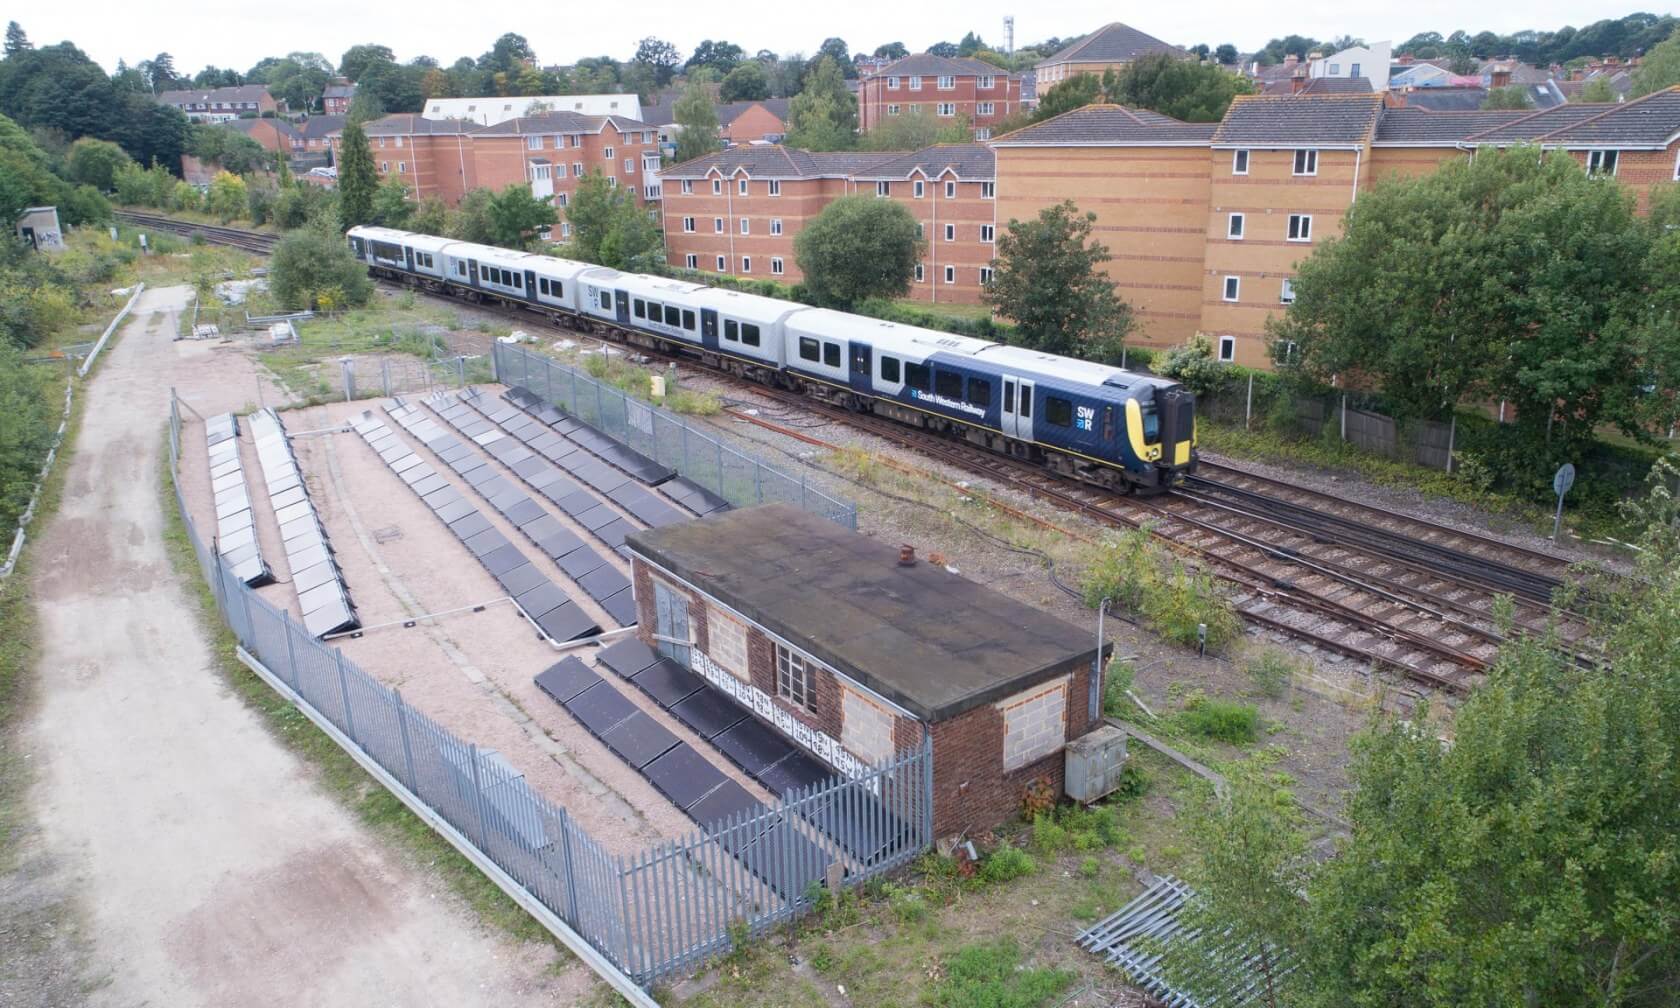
x=322, y=596
x=236, y=527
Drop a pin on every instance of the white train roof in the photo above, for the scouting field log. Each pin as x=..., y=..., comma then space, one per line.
x=888, y=337
x=380, y=233
x=655, y=287
x=747, y=307
x=1068, y=368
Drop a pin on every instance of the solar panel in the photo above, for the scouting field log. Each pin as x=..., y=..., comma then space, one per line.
x=600, y=708
x=500, y=561
x=525, y=512
x=522, y=578
x=622, y=607
x=667, y=682
x=485, y=542
x=580, y=561
x=683, y=775
x=312, y=576
x=615, y=532
x=751, y=745
x=727, y=800
x=596, y=517
x=639, y=739
x=565, y=679
x=541, y=599
x=603, y=582
x=567, y=622
x=708, y=712
x=471, y=524
x=559, y=543
x=795, y=770
x=454, y=509
x=627, y=656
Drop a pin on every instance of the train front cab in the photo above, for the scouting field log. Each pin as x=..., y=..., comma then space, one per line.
x=1175, y=407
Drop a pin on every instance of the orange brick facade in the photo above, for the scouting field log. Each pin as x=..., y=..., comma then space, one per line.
x=967, y=98
x=958, y=223
x=743, y=226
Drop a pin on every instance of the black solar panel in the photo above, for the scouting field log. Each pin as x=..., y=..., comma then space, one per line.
x=627, y=656
x=708, y=712
x=542, y=599
x=639, y=739
x=752, y=746
x=500, y=561
x=456, y=508
x=486, y=542
x=580, y=561
x=795, y=770
x=525, y=512
x=622, y=607
x=726, y=801
x=471, y=524
x=600, y=708
x=683, y=775
x=522, y=578
x=565, y=679
x=667, y=682
x=559, y=543
x=603, y=582
x=568, y=622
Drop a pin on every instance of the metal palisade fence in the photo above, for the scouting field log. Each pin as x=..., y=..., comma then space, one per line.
x=738, y=478
x=635, y=919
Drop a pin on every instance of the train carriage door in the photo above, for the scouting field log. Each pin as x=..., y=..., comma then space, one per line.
x=408, y=258
x=621, y=304
x=472, y=272
x=708, y=328
x=531, y=285
x=358, y=247
x=862, y=359
x=1017, y=408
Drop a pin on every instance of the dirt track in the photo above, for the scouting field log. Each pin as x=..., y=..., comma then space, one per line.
x=203, y=865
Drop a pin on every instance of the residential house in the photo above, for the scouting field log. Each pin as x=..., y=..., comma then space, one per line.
x=554, y=151
x=1111, y=47
x=313, y=138
x=1370, y=62
x=430, y=157
x=958, y=89
x=739, y=122
x=223, y=104
x=950, y=189
x=337, y=96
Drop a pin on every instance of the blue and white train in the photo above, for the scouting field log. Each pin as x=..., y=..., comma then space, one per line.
x=1100, y=424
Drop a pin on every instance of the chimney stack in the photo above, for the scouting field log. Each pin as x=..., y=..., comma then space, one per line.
x=906, y=555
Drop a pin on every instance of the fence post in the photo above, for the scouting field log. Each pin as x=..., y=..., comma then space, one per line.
x=720, y=469
x=1248, y=410
x=600, y=407
x=548, y=382
x=1344, y=416
x=571, y=878
x=1452, y=436
x=291, y=653
x=408, y=749
x=495, y=362
x=478, y=798
x=347, y=367
x=461, y=369
x=216, y=579
x=250, y=624
x=385, y=376
x=344, y=691
x=758, y=482
x=804, y=494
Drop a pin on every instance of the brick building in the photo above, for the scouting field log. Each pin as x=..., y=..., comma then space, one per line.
x=314, y=137
x=949, y=189
x=429, y=156
x=1111, y=47
x=967, y=89
x=741, y=122
x=223, y=104
x=826, y=637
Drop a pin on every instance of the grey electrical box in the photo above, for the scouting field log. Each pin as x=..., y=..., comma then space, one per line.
x=1094, y=763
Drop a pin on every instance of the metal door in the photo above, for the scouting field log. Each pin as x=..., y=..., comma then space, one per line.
x=408, y=258
x=670, y=628
x=530, y=285
x=862, y=358
x=708, y=328
x=621, y=303
x=1016, y=414
x=472, y=272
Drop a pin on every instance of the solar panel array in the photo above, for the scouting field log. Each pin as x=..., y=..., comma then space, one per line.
x=322, y=595
x=554, y=613
x=236, y=525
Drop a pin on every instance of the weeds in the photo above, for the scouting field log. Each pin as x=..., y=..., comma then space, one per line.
x=1273, y=672
x=1006, y=863
x=1174, y=601
x=1117, y=682
x=991, y=975
x=1206, y=717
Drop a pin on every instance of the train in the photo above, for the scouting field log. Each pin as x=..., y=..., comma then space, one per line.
x=1113, y=428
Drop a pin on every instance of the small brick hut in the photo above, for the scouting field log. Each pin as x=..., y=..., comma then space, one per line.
x=856, y=656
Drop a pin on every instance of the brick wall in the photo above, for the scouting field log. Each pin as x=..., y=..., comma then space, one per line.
x=877, y=95
x=967, y=212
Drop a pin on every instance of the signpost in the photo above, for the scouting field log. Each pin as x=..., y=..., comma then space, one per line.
x=1561, y=482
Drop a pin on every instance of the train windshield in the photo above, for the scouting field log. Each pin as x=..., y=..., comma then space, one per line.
x=1151, y=420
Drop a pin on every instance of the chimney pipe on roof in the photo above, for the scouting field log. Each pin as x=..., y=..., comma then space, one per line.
x=906, y=555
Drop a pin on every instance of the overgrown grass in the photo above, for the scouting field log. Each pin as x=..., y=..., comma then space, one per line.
x=335, y=771
x=1174, y=601
x=637, y=381
x=991, y=975
x=1222, y=720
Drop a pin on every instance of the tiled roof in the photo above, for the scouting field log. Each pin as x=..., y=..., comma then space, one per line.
x=1426, y=126
x=1447, y=99
x=243, y=93
x=929, y=65
x=413, y=124
x=1109, y=126
x=558, y=122
x=1651, y=121
x=1114, y=43
x=1537, y=124
x=1298, y=119
x=319, y=126
x=971, y=162
x=664, y=113
x=248, y=126
x=339, y=91
x=776, y=161
x=1337, y=85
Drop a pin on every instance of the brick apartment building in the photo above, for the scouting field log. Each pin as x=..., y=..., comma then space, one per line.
x=741, y=122
x=966, y=89
x=1111, y=47
x=825, y=637
x=738, y=211
x=223, y=104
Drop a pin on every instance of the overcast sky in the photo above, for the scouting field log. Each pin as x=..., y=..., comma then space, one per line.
x=199, y=32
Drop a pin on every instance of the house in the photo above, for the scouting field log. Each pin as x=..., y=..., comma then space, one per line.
x=740, y=122
x=430, y=157
x=1370, y=62
x=950, y=189
x=223, y=104
x=958, y=89
x=313, y=137
x=337, y=96
x=488, y=111
x=855, y=652
x=275, y=135
x=553, y=151
x=1111, y=47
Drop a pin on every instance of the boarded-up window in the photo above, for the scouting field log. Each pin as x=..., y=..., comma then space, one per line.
x=866, y=728
x=727, y=641
x=1034, y=723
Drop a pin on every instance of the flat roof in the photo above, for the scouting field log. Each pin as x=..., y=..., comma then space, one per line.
x=933, y=642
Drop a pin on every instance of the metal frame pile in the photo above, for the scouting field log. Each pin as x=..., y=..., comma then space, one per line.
x=322, y=596
x=236, y=523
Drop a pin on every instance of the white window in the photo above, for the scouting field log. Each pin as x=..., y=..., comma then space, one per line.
x=985, y=275
x=793, y=678
x=629, y=166
x=775, y=187
x=612, y=181
x=775, y=265
x=384, y=166
x=1601, y=162
x=983, y=133
x=1233, y=285
x=1354, y=70
x=892, y=83
x=988, y=190
x=1234, y=227
x=717, y=187
x=651, y=192
x=950, y=232
x=775, y=225
x=986, y=83
x=1287, y=295
x=741, y=186
x=746, y=226
x=950, y=274
x=919, y=272
x=892, y=110
x=398, y=141
x=692, y=261
x=607, y=153
x=1335, y=69
x=402, y=166
x=575, y=140
x=988, y=232
x=746, y=264
x=915, y=83
x=950, y=189
x=1239, y=162
x=726, y=640
x=947, y=83
x=717, y=225
x=1677, y=168
x=946, y=109
x=687, y=186
x=921, y=230
x=565, y=229
x=688, y=225
x=1300, y=227
x=560, y=200
x=883, y=188
x=985, y=108
x=577, y=169
x=722, y=264
x=538, y=171
x=916, y=189
x=1227, y=348
x=533, y=143
x=1306, y=162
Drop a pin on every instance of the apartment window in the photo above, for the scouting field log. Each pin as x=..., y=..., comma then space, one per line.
x=384, y=166
x=793, y=677
x=986, y=83
x=717, y=225
x=775, y=265
x=629, y=166
x=892, y=110
x=538, y=171
x=1234, y=227
x=533, y=143
x=883, y=188
x=1300, y=227
x=577, y=169
x=775, y=187
x=717, y=187
x=985, y=275
x=950, y=232
x=950, y=190
x=915, y=83
x=687, y=186
x=1227, y=348
x=983, y=133
x=988, y=190
x=921, y=230
x=950, y=274
x=775, y=225
x=1601, y=162
x=919, y=273
x=607, y=153
x=988, y=232
x=402, y=166
x=575, y=140
x=746, y=264
x=947, y=83
x=1239, y=162
x=1306, y=162
x=892, y=83
x=946, y=109
x=746, y=226
x=1335, y=69
x=741, y=186
x=916, y=189
x=560, y=200
x=1233, y=286
x=692, y=261
x=722, y=264
x=565, y=229
x=1287, y=295
x=612, y=181
x=985, y=108
x=688, y=225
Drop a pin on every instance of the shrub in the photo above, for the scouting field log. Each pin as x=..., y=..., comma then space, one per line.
x=1038, y=797
x=907, y=903
x=1090, y=868
x=1272, y=672
x=991, y=975
x=1174, y=601
x=1049, y=836
x=1006, y=863
x=309, y=269
x=1116, y=683
x=1134, y=784
x=1220, y=719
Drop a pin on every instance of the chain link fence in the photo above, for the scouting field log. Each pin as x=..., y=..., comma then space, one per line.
x=1263, y=403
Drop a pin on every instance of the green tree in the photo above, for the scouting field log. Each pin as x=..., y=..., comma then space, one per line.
x=226, y=147
x=430, y=216
x=471, y=219
x=516, y=216
x=1660, y=68
x=659, y=56
x=309, y=269
x=391, y=207
x=365, y=107
x=915, y=130
x=697, y=116
x=1226, y=55
x=970, y=44
x=720, y=56
x=356, y=178
x=226, y=198
x=823, y=117
x=747, y=82
x=859, y=247
x=1078, y=91
x=1596, y=90
x=95, y=162
x=1511, y=276
x=1193, y=92
x=1048, y=277
x=608, y=228
x=1511, y=97
x=27, y=434
x=891, y=51
x=16, y=40
x=358, y=58
x=836, y=50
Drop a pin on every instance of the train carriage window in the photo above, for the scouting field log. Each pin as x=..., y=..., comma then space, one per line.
x=732, y=330
x=555, y=288
x=831, y=354
x=460, y=268
x=948, y=385
x=517, y=281
x=1058, y=411
x=1108, y=423
x=606, y=300
x=980, y=392
x=688, y=320
x=1151, y=421
x=639, y=307
x=749, y=334
x=1008, y=404
x=918, y=376
x=673, y=316
x=889, y=369
x=1025, y=412
x=385, y=250
x=809, y=349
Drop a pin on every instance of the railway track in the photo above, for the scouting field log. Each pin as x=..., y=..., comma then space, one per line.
x=1389, y=589
x=250, y=241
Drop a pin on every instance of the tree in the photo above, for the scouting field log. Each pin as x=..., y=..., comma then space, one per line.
x=1199, y=51
x=948, y=50
x=397, y=88
x=95, y=162
x=391, y=207
x=1597, y=89
x=310, y=270
x=915, y=130
x=1661, y=67
x=430, y=216
x=365, y=107
x=1048, y=277
x=1226, y=55
x=226, y=147
x=835, y=49
x=297, y=78
x=227, y=196
x=510, y=52
x=697, y=116
x=720, y=56
x=891, y=51
x=660, y=56
x=608, y=228
x=823, y=116
x=216, y=77
x=1290, y=45
x=1420, y=41
x=1513, y=276
x=356, y=178
x=1078, y=91
x=16, y=40
x=159, y=72
x=1193, y=92
x=747, y=82
x=970, y=44
x=358, y=58
x=1510, y=97
x=471, y=219
x=437, y=84
x=859, y=247
x=517, y=216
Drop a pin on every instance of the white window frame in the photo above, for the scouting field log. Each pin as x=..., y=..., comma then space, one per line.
x=985, y=275
x=917, y=189
x=775, y=265
x=612, y=181
x=722, y=264
x=717, y=225
x=950, y=232
x=688, y=225
x=883, y=189
x=1231, y=290
x=945, y=110
x=1677, y=168
x=988, y=190
x=988, y=233
x=920, y=273
x=402, y=167
x=384, y=167
x=629, y=166
x=607, y=153
x=741, y=187
x=1305, y=158
x=915, y=83
x=892, y=110
x=946, y=82
x=982, y=132
x=985, y=108
x=775, y=186
x=793, y=678
x=692, y=261
x=950, y=189
x=717, y=187
x=533, y=143
x=1335, y=69
x=775, y=225
x=892, y=83
x=746, y=264
x=1227, y=349
x=1304, y=228
x=986, y=83
x=1239, y=161
x=577, y=169
x=1286, y=293
x=1236, y=226
x=950, y=274
x=687, y=186
x=746, y=225
x=1595, y=161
